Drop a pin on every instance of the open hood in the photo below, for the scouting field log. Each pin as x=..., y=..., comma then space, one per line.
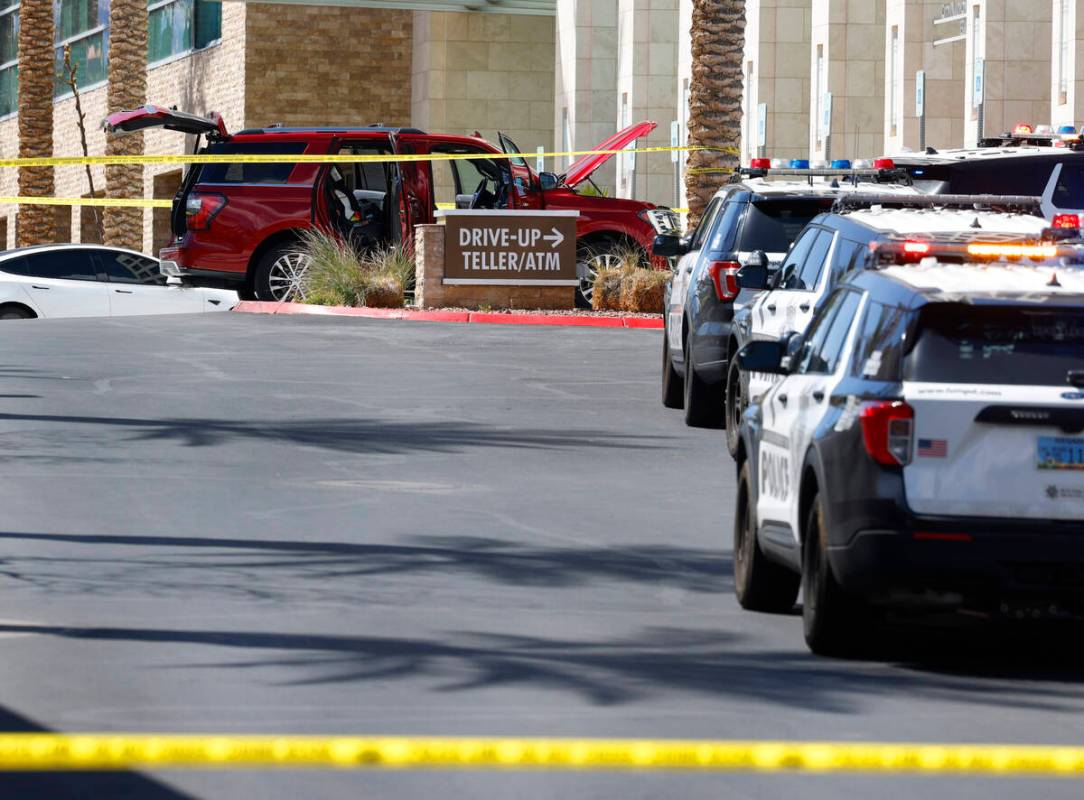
x=172, y=120
x=582, y=168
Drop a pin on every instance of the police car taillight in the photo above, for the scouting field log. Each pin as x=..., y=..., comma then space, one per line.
x=888, y=428
x=1065, y=221
x=724, y=275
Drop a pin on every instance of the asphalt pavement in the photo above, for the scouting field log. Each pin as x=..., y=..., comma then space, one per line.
x=252, y=524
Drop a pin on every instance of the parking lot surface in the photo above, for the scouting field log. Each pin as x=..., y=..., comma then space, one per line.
x=303, y=525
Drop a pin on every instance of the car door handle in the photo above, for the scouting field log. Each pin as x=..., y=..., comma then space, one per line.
x=804, y=307
x=782, y=399
x=43, y=288
x=818, y=395
x=123, y=291
x=772, y=308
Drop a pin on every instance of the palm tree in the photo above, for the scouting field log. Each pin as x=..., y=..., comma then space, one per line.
x=36, y=224
x=123, y=227
x=715, y=95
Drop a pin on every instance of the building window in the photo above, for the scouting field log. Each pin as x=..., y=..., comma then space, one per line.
x=179, y=26
x=83, y=25
x=1065, y=36
x=894, y=82
x=9, y=56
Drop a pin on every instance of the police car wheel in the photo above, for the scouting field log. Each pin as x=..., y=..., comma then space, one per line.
x=734, y=402
x=835, y=623
x=759, y=584
x=703, y=402
x=672, y=395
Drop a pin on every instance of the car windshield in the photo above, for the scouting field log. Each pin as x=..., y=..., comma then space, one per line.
x=772, y=225
x=959, y=343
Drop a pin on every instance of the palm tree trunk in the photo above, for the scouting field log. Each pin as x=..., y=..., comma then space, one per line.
x=715, y=95
x=36, y=224
x=123, y=227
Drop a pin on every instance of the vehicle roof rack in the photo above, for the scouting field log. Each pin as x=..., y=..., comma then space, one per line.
x=992, y=202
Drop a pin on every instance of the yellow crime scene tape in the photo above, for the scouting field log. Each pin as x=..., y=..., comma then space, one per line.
x=336, y=158
x=121, y=202
x=90, y=751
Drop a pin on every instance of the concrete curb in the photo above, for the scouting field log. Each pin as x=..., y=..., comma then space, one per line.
x=477, y=317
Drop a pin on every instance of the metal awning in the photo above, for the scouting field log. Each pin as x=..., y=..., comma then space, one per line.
x=538, y=7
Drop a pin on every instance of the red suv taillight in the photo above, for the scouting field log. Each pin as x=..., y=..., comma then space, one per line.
x=724, y=274
x=888, y=427
x=200, y=209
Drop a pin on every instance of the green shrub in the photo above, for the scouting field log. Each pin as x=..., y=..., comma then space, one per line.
x=338, y=276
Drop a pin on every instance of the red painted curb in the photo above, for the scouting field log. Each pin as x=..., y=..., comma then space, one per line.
x=479, y=317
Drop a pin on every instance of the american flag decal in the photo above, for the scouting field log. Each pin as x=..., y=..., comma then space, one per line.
x=932, y=448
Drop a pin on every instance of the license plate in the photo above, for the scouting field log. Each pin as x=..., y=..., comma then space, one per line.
x=1060, y=452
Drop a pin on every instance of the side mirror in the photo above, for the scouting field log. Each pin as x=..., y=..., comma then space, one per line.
x=763, y=356
x=669, y=245
x=792, y=346
x=754, y=275
x=548, y=180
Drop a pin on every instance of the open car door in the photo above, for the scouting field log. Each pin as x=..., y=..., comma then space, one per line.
x=523, y=179
x=412, y=187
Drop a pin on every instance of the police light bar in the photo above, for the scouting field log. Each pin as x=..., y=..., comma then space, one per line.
x=1001, y=202
x=912, y=251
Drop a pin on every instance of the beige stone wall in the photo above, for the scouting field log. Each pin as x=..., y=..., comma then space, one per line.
x=647, y=36
x=851, y=34
x=944, y=68
x=211, y=79
x=586, y=80
x=324, y=65
x=1014, y=38
x=776, y=69
x=484, y=72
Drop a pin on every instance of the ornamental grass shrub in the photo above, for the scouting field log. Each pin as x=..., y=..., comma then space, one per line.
x=626, y=282
x=338, y=276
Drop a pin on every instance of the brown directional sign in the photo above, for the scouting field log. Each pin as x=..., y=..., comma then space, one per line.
x=510, y=247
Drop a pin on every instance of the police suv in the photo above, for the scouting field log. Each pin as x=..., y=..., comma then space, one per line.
x=834, y=244
x=755, y=217
x=925, y=446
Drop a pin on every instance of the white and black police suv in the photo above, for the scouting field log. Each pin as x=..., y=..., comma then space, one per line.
x=925, y=446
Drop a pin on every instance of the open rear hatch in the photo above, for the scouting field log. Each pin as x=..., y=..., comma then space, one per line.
x=998, y=399
x=149, y=116
x=582, y=168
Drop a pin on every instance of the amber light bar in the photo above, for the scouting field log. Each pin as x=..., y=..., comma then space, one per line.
x=1036, y=251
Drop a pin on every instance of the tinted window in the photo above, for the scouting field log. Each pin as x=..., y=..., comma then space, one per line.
x=842, y=258
x=722, y=237
x=1069, y=190
x=959, y=343
x=801, y=247
x=818, y=329
x=250, y=173
x=771, y=226
x=878, y=353
x=706, y=222
x=811, y=269
x=1001, y=176
x=823, y=356
x=130, y=268
x=76, y=265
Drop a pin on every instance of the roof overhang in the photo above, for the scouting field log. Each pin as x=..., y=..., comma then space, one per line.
x=546, y=8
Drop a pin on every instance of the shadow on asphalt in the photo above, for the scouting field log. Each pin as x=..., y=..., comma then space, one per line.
x=352, y=435
x=73, y=785
x=449, y=556
x=616, y=671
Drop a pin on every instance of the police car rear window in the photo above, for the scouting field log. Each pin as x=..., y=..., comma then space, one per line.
x=772, y=226
x=959, y=343
x=250, y=173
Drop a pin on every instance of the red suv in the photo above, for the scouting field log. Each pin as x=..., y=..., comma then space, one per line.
x=237, y=224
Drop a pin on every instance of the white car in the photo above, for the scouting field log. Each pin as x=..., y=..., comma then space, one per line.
x=84, y=280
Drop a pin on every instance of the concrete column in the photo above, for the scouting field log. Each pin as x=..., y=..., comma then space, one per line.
x=1013, y=37
x=776, y=70
x=647, y=36
x=586, y=80
x=847, y=58
x=1067, y=63
x=912, y=21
